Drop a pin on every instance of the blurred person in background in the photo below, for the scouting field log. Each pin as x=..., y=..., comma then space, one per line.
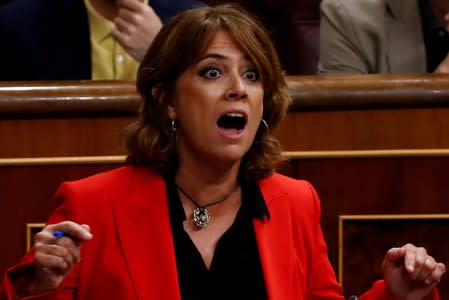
x=384, y=36
x=79, y=39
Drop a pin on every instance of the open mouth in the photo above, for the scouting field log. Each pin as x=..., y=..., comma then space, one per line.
x=235, y=120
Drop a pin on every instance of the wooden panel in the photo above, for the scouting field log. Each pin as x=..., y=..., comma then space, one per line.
x=25, y=193
x=64, y=118
x=365, y=239
x=373, y=186
x=31, y=230
x=423, y=128
x=62, y=136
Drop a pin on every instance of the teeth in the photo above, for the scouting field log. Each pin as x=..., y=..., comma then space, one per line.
x=235, y=114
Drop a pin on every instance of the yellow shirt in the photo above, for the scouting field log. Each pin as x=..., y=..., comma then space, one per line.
x=109, y=59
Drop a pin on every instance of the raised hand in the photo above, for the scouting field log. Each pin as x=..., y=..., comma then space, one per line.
x=410, y=273
x=55, y=254
x=136, y=26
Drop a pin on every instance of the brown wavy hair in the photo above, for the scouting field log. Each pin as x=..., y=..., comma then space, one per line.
x=179, y=45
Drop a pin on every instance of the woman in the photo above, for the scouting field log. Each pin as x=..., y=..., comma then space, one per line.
x=200, y=212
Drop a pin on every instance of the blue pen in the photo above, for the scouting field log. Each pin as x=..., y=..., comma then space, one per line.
x=59, y=234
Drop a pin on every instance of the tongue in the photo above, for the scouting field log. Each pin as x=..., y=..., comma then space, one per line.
x=230, y=130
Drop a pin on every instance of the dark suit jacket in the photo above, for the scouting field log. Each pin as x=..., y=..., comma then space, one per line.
x=132, y=256
x=49, y=40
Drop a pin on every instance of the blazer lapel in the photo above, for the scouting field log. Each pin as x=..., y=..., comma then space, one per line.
x=405, y=47
x=143, y=226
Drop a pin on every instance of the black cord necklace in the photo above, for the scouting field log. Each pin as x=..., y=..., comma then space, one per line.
x=201, y=216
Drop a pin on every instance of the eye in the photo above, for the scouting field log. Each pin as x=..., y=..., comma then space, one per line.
x=210, y=72
x=251, y=75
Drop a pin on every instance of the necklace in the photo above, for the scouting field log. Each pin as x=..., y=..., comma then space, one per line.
x=201, y=216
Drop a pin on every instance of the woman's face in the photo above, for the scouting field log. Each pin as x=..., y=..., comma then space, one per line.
x=218, y=105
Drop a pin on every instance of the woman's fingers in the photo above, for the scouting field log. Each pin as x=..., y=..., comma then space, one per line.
x=420, y=266
x=56, y=249
x=78, y=233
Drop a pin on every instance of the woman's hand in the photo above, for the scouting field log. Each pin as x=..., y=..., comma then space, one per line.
x=410, y=273
x=54, y=256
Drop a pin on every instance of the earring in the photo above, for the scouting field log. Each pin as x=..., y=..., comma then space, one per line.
x=260, y=134
x=173, y=127
x=173, y=132
x=265, y=123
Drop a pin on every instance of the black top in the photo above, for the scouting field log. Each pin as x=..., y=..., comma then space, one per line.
x=235, y=271
x=436, y=37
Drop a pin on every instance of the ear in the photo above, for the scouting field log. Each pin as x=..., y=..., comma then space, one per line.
x=155, y=91
x=171, y=112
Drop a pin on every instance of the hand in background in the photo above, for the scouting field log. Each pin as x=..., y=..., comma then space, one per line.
x=136, y=26
x=55, y=256
x=410, y=273
x=443, y=67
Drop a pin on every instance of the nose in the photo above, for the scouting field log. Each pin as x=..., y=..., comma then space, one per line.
x=237, y=88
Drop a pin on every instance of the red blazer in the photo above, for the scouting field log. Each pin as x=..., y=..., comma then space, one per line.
x=132, y=256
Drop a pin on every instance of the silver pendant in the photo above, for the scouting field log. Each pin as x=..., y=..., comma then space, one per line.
x=201, y=217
